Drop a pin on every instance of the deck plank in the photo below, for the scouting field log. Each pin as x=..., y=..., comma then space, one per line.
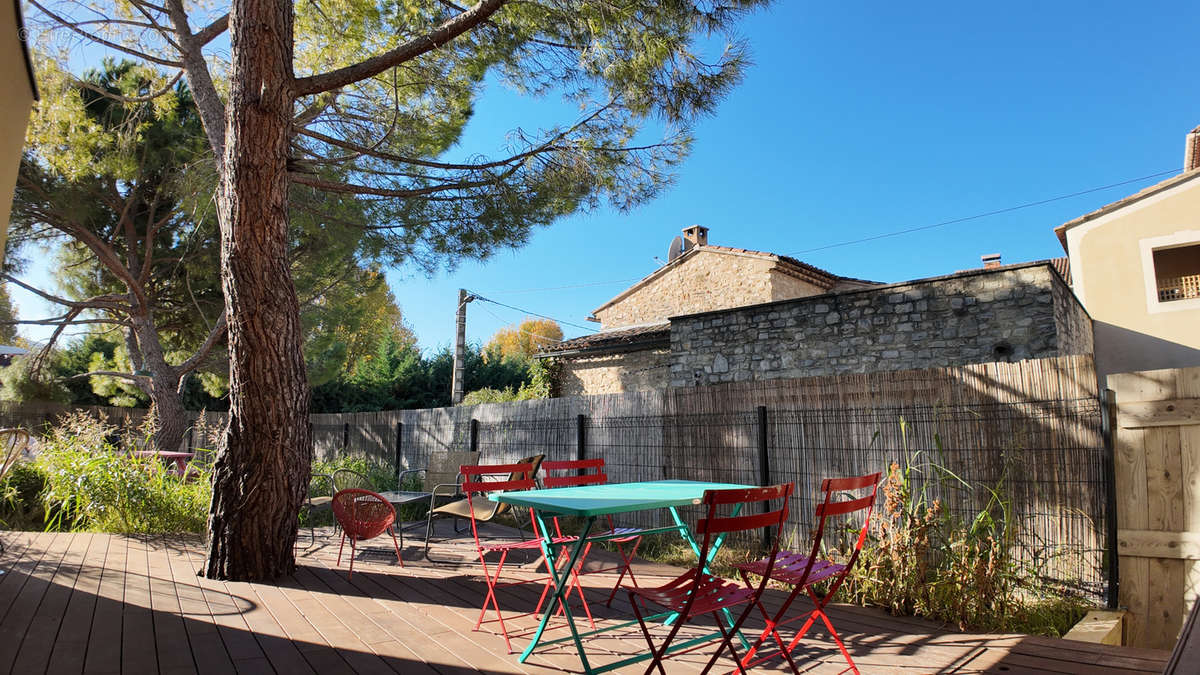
x=38, y=643
x=104, y=642
x=70, y=646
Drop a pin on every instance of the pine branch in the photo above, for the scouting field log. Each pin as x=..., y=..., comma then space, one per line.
x=447, y=31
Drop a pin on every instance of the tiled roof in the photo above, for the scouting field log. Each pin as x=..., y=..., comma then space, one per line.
x=633, y=337
x=1063, y=267
x=1167, y=184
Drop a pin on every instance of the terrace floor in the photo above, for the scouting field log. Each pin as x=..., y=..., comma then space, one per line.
x=97, y=603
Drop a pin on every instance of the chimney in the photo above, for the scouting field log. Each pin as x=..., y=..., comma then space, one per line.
x=990, y=261
x=696, y=235
x=1191, y=155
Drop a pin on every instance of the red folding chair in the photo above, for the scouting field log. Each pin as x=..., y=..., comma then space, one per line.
x=363, y=515
x=618, y=535
x=803, y=572
x=509, y=477
x=696, y=592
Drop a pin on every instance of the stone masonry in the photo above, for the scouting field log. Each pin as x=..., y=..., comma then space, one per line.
x=1007, y=314
x=709, y=280
x=641, y=370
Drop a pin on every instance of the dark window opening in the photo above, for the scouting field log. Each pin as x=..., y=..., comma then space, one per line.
x=1177, y=272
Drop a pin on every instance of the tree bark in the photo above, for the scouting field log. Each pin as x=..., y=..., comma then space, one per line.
x=262, y=466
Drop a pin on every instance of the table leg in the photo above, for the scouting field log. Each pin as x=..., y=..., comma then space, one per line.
x=562, y=585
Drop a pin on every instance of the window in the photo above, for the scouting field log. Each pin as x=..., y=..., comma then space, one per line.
x=1177, y=272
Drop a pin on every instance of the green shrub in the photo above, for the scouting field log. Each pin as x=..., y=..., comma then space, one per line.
x=21, y=497
x=91, y=484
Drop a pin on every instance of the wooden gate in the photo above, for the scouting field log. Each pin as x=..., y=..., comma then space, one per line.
x=1158, y=500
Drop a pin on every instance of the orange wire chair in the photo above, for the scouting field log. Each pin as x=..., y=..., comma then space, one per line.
x=626, y=534
x=512, y=477
x=696, y=592
x=803, y=572
x=363, y=515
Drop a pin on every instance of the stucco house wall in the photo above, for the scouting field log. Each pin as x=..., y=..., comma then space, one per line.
x=1014, y=313
x=1112, y=268
x=19, y=95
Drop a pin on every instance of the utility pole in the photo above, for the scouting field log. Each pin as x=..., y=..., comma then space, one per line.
x=460, y=347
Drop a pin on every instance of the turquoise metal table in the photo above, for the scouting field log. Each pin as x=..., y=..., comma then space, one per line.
x=589, y=502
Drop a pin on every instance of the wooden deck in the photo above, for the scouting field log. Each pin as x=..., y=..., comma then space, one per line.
x=95, y=603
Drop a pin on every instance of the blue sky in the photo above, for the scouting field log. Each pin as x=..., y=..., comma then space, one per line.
x=864, y=118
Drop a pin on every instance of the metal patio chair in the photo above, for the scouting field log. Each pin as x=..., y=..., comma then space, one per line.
x=804, y=572
x=363, y=515
x=477, y=508
x=13, y=442
x=698, y=593
x=344, y=479
x=621, y=536
x=319, y=500
x=507, y=477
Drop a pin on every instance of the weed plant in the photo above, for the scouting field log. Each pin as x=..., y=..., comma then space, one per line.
x=921, y=560
x=92, y=483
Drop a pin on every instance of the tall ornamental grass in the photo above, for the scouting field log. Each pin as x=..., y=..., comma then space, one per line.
x=93, y=484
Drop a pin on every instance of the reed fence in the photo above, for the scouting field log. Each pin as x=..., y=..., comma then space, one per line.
x=1030, y=431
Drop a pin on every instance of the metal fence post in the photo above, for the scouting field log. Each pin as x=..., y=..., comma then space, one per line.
x=399, y=446
x=1108, y=416
x=764, y=467
x=580, y=440
x=474, y=435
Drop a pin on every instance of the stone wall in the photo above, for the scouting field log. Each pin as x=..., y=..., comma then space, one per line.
x=1073, y=324
x=1009, y=314
x=709, y=280
x=641, y=370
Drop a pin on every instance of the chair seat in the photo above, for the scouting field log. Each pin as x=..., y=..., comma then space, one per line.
x=320, y=502
x=621, y=534
x=462, y=507
x=528, y=544
x=714, y=593
x=789, y=568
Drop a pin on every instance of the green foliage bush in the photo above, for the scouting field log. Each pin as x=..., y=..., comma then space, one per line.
x=92, y=484
x=21, y=497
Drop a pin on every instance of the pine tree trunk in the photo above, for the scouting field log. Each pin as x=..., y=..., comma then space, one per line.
x=263, y=464
x=145, y=353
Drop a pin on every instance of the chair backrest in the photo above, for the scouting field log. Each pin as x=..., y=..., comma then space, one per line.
x=362, y=514
x=443, y=467
x=321, y=485
x=349, y=478
x=482, y=478
x=12, y=443
x=861, y=497
x=581, y=477
x=724, y=511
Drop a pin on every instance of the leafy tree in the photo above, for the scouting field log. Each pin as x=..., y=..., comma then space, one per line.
x=525, y=339
x=381, y=91
x=8, y=324
x=118, y=183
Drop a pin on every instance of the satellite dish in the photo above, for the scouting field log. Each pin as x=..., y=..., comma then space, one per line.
x=676, y=250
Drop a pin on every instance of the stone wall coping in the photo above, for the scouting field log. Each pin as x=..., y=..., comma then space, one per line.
x=886, y=287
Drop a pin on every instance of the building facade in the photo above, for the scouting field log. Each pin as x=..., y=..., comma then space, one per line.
x=716, y=314
x=1135, y=265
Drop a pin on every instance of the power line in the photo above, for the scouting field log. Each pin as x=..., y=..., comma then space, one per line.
x=540, y=316
x=989, y=213
x=523, y=331
x=559, y=288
